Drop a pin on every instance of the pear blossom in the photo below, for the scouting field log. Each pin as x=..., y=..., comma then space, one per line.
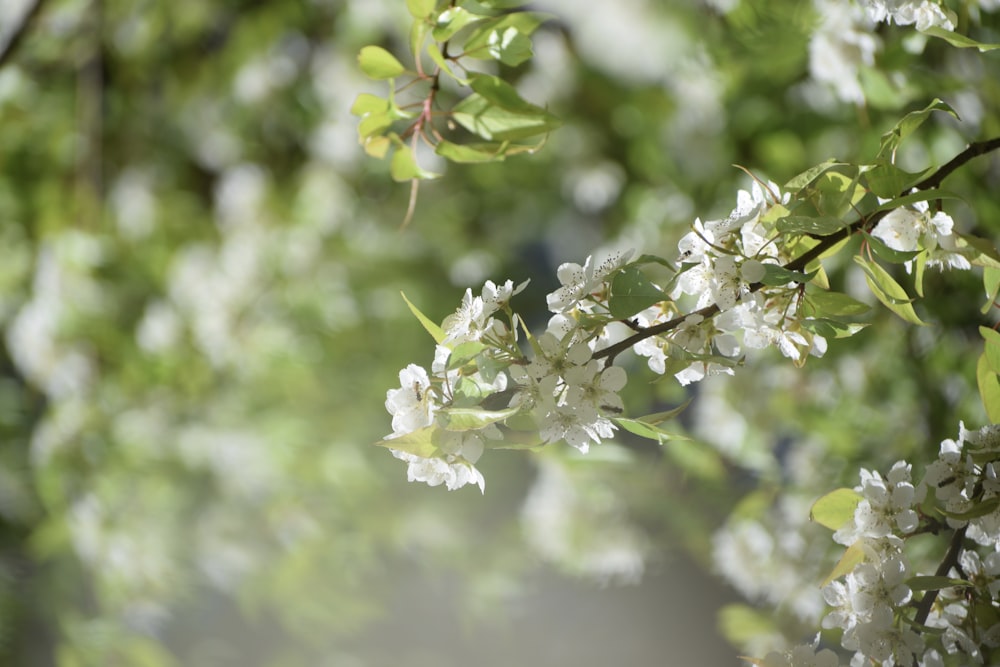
x=579, y=282
x=412, y=406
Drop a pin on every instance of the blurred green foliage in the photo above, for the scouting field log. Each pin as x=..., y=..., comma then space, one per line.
x=199, y=289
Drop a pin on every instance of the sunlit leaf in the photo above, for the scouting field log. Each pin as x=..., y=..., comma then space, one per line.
x=989, y=388
x=958, y=40
x=434, y=330
x=377, y=63
x=835, y=508
x=991, y=284
x=776, y=276
x=884, y=252
x=420, y=442
x=811, y=174
x=451, y=20
x=463, y=353
x=833, y=304
x=888, y=291
x=853, y=556
x=524, y=23
x=366, y=103
x=491, y=122
x=886, y=180
x=914, y=197
x=632, y=292
x=819, y=226
x=829, y=328
x=421, y=8
x=980, y=508
x=909, y=123
x=470, y=419
x=404, y=167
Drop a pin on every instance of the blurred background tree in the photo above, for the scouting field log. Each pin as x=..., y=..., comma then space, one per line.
x=199, y=290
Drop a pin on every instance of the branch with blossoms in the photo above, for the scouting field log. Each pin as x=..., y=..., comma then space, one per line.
x=743, y=283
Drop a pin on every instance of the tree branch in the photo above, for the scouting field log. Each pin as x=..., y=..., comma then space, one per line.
x=825, y=243
x=12, y=39
x=949, y=561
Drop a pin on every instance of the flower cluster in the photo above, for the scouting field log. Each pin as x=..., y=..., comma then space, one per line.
x=875, y=603
x=912, y=229
x=722, y=261
x=924, y=13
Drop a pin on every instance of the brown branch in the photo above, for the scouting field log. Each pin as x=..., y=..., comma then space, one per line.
x=949, y=561
x=16, y=34
x=825, y=243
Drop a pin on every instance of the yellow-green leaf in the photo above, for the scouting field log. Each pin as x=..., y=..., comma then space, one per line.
x=835, y=508
x=888, y=291
x=434, y=330
x=377, y=63
x=853, y=556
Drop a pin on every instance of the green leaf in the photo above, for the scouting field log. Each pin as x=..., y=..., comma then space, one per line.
x=820, y=226
x=471, y=153
x=833, y=304
x=989, y=388
x=420, y=442
x=509, y=46
x=981, y=252
x=421, y=9
x=471, y=419
x=853, y=556
x=377, y=63
x=829, y=328
x=479, y=41
x=934, y=583
x=451, y=20
x=647, y=430
x=434, y=330
x=463, y=353
x=777, y=276
x=811, y=174
x=833, y=194
x=884, y=252
x=404, y=167
x=366, y=103
x=374, y=123
x=500, y=93
x=981, y=508
x=888, y=291
x=961, y=41
x=435, y=53
x=908, y=124
x=914, y=197
x=666, y=415
x=632, y=292
x=377, y=147
x=492, y=122
x=835, y=508
x=991, y=283
x=886, y=180
x=502, y=4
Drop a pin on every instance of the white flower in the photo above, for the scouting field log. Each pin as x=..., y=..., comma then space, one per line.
x=590, y=385
x=577, y=425
x=412, y=405
x=579, y=282
x=451, y=471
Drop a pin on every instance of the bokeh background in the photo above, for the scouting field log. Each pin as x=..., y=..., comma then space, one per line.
x=200, y=277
